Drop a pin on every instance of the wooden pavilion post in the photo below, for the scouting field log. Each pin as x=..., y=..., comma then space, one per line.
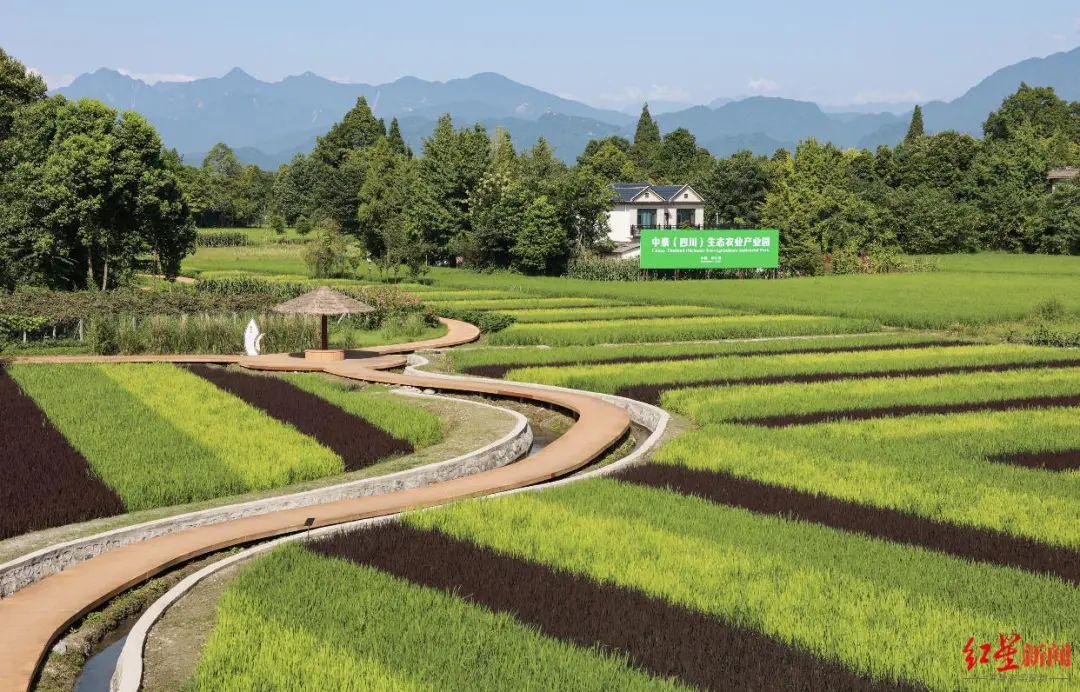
x=324, y=340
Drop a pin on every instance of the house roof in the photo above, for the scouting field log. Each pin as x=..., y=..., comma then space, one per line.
x=668, y=192
x=627, y=192
x=1066, y=173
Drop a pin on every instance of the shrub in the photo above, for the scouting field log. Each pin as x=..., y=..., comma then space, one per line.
x=1064, y=336
x=241, y=285
x=409, y=326
x=488, y=322
x=277, y=223
x=302, y=225
x=327, y=256
x=594, y=268
x=1049, y=310
x=204, y=333
x=878, y=261
x=220, y=239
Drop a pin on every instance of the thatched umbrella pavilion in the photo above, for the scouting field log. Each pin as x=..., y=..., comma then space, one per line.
x=323, y=302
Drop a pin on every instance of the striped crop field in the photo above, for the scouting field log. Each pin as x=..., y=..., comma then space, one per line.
x=475, y=302
x=798, y=403
x=437, y=296
x=496, y=362
x=842, y=512
x=618, y=312
x=99, y=440
x=675, y=329
x=934, y=466
x=648, y=383
x=889, y=613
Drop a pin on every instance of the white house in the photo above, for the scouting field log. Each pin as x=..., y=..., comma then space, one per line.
x=640, y=205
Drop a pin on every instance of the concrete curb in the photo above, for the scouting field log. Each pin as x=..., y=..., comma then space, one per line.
x=27, y=569
x=129, y=667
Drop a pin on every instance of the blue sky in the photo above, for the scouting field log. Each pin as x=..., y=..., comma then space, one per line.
x=610, y=54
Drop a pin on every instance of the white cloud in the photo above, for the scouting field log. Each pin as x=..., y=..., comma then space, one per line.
x=761, y=85
x=155, y=77
x=53, y=81
x=636, y=95
x=886, y=96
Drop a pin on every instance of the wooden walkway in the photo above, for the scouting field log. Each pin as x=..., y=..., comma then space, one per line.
x=34, y=617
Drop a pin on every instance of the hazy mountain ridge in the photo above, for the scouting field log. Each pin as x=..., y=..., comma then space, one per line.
x=269, y=122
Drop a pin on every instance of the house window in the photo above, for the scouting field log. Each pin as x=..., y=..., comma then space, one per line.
x=646, y=218
x=684, y=217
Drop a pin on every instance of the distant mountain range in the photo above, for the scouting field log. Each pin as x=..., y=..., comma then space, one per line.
x=267, y=123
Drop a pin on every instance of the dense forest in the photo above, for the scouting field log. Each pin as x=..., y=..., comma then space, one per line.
x=85, y=192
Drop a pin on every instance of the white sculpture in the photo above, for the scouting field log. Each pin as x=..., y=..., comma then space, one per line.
x=253, y=339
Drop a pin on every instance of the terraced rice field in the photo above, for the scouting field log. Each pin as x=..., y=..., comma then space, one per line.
x=647, y=384
x=618, y=312
x=516, y=302
x=119, y=438
x=587, y=333
x=497, y=362
x=845, y=512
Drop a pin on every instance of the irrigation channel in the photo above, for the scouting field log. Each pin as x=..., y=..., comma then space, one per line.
x=36, y=615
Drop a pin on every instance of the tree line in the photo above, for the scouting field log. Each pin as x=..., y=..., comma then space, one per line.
x=471, y=197
x=85, y=191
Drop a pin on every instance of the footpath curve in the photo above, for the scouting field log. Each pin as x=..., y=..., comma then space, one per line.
x=32, y=618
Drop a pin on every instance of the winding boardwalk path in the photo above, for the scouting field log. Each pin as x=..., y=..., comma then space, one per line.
x=33, y=618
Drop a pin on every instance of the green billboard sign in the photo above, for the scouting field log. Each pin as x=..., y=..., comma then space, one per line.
x=710, y=248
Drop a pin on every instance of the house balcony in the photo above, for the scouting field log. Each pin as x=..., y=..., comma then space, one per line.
x=635, y=229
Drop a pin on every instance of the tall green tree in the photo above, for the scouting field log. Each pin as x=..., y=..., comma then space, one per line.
x=338, y=165
x=816, y=210
x=18, y=87
x=357, y=129
x=450, y=169
x=679, y=159
x=915, y=127
x=594, y=145
x=612, y=163
x=291, y=193
x=540, y=166
x=541, y=240
x=397, y=142
x=647, y=131
x=222, y=161
x=735, y=190
x=384, y=199
x=1039, y=108
x=581, y=199
x=646, y=140
x=1059, y=214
